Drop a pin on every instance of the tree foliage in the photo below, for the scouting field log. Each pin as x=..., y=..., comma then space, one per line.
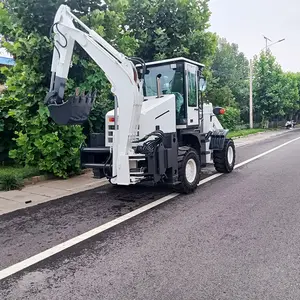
x=267, y=84
x=220, y=95
x=38, y=141
x=150, y=29
x=231, y=118
x=289, y=94
x=231, y=67
x=228, y=83
x=36, y=136
x=276, y=93
x=171, y=28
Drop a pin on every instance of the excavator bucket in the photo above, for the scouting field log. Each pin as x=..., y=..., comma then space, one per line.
x=75, y=111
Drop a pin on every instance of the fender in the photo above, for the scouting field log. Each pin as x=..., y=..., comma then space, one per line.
x=217, y=139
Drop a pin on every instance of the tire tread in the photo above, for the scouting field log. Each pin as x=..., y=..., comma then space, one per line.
x=184, y=187
x=220, y=158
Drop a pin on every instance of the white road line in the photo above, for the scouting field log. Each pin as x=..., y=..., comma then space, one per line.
x=85, y=236
x=265, y=153
x=210, y=178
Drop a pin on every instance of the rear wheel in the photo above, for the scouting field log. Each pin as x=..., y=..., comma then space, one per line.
x=188, y=170
x=224, y=160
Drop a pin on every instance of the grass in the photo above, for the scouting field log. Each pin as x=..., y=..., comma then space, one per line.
x=12, y=178
x=244, y=132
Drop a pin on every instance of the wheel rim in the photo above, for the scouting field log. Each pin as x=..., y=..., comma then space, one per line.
x=230, y=155
x=191, y=170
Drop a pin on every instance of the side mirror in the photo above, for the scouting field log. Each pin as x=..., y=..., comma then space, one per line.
x=202, y=84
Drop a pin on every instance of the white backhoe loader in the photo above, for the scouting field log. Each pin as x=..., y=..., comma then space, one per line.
x=160, y=130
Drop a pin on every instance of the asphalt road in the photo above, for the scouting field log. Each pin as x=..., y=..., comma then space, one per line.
x=236, y=237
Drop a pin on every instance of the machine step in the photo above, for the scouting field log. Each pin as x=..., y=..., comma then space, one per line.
x=205, y=152
x=91, y=165
x=137, y=158
x=137, y=170
x=95, y=149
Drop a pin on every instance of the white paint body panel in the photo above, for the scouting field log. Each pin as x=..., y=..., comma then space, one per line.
x=210, y=121
x=155, y=112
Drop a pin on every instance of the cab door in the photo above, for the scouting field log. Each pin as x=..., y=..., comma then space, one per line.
x=192, y=95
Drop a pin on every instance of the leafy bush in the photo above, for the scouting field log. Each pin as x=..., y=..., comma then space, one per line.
x=12, y=178
x=25, y=124
x=2, y=78
x=231, y=118
x=53, y=149
x=10, y=182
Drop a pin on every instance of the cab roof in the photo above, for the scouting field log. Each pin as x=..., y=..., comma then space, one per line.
x=172, y=60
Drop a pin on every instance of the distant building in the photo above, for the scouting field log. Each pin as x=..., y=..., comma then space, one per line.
x=5, y=58
x=6, y=61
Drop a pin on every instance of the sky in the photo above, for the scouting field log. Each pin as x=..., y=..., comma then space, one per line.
x=244, y=22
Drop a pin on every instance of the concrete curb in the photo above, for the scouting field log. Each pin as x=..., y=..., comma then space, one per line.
x=42, y=178
x=43, y=192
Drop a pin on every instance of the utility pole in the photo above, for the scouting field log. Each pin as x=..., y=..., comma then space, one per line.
x=251, y=96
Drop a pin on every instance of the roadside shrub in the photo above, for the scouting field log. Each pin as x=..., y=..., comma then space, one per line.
x=2, y=79
x=25, y=124
x=10, y=181
x=12, y=178
x=51, y=148
x=231, y=118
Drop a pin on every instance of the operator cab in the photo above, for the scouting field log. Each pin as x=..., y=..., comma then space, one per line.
x=181, y=77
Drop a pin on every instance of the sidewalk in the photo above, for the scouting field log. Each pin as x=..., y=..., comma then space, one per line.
x=54, y=189
x=256, y=137
x=47, y=190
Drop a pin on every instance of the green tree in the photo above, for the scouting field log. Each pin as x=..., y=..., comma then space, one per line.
x=231, y=118
x=267, y=87
x=219, y=95
x=289, y=94
x=53, y=148
x=230, y=71
x=171, y=28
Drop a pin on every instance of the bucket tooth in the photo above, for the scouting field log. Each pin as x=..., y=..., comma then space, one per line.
x=74, y=111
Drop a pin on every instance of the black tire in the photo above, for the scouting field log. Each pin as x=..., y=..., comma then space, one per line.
x=220, y=158
x=185, y=154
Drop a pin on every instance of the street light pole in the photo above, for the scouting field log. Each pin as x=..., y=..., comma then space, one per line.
x=267, y=39
x=251, y=82
x=276, y=42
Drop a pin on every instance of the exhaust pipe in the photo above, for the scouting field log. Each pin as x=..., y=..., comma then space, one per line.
x=158, y=87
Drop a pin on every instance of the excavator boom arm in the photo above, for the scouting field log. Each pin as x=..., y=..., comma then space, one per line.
x=119, y=70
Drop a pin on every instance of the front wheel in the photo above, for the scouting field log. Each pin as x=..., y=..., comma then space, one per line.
x=224, y=160
x=188, y=170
